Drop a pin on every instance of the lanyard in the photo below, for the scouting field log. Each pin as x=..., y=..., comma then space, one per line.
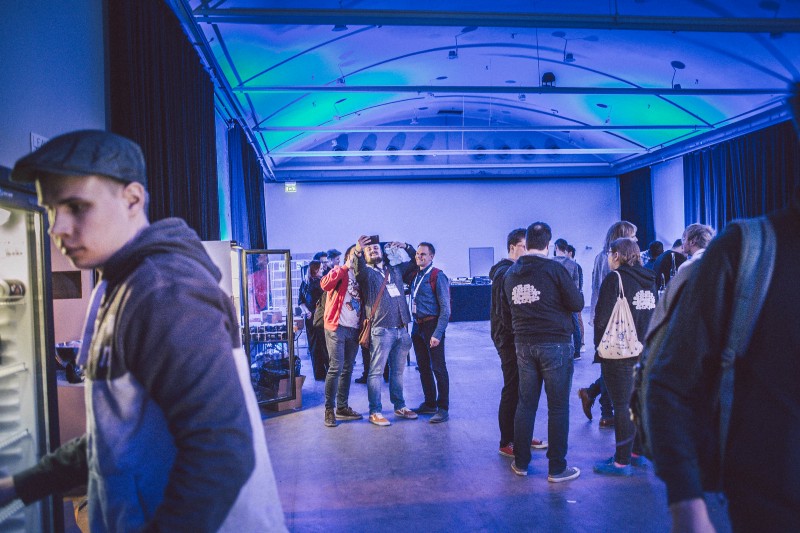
x=418, y=282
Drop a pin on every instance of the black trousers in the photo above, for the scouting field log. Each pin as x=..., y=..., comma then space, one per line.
x=509, y=396
x=317, y=350
x=431, y=364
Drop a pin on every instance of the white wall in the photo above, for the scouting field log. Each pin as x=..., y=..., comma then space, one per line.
x=53, y=75
x=52, y=81
x=668, y=214
x=453, y=215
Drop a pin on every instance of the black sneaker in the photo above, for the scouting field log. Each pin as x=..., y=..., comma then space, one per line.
x=362, y=380
x=425, y=409
x=569, y=473
x=347, y=413
x=330, y=418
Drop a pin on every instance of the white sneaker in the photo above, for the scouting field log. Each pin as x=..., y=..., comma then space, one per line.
x=405, y=412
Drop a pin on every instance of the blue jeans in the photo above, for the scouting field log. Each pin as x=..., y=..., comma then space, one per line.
x=393, y=345
x=342, y=348
x=430, y=362
x=551, y=364
x=577, y=339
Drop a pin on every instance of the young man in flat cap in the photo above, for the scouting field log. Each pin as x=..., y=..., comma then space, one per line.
x=174, y=439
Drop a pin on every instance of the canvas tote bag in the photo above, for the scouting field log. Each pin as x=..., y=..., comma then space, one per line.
x=619, y=339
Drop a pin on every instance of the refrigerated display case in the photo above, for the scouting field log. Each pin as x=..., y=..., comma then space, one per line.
x=258, y=282
x=268, y=332
x=28, y=400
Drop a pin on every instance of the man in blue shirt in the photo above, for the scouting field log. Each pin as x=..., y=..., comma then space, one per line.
x=430, y=309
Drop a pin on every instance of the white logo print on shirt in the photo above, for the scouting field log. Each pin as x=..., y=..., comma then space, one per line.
x=644, y=300
x=524, y=294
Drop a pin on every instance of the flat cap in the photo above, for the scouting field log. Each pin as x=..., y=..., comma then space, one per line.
x=83, y=153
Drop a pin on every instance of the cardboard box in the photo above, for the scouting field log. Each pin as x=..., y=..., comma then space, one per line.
x=295, y=404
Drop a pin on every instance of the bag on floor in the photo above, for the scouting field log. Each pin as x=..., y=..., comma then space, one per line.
x=619, y=340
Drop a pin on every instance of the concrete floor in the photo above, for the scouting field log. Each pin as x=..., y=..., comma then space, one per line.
x=415, y=476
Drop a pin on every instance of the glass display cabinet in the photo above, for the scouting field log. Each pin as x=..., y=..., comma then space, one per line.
x=268, y=327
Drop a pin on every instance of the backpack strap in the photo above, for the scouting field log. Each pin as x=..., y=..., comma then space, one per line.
x=432, y=279
x=756, y=263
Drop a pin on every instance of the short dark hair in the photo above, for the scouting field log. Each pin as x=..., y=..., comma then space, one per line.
x=678, y=242
x=429, y=245
x=561, y=244
x=571, y=250
x=514, y=237
x=320, y=255
x=655, y=249
x=538, y=236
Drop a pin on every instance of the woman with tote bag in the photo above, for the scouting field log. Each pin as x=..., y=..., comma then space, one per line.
x=624, y=306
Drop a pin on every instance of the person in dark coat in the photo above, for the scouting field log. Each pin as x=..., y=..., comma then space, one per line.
x=639, y=289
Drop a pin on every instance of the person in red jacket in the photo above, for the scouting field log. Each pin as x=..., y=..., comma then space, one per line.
x=343, y=316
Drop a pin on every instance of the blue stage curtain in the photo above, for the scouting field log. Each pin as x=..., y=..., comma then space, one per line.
x=161, y=97
x=742, y=178
x=248, y=213
x=636, y=204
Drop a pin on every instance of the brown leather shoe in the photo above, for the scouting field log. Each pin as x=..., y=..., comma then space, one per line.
x=586, y=401
x=607, y=423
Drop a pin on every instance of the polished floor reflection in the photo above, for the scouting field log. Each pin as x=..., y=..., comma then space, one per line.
x=419, y=477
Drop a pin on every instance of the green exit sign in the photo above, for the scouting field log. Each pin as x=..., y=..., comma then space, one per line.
x=290, y=186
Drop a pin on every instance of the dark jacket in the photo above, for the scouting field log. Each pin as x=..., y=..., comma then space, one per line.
x=392, y=312
x=664, y=266
x=502, y=334
x=640, y=292
x=539, y=298
x=175, y=440
x=765, y=419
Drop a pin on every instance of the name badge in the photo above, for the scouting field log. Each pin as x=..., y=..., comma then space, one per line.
x=414, y=308
x=391, y=288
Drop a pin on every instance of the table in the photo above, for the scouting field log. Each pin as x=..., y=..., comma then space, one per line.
x=470, y=302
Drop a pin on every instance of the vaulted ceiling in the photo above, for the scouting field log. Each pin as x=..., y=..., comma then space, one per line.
x=343, y=90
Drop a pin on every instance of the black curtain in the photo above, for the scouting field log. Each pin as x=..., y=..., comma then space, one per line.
x=248, y=213
x=743, y=177
x=636, y=203
x=161, y=97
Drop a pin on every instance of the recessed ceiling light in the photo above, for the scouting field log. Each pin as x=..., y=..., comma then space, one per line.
x=423, y=108
x=442, y=78
x=339, y=27
x=601, y=105
x=511, y=81
x=341, y=100
x=560, y=34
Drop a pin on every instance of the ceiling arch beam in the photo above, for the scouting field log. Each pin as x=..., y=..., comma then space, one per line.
x=368, y=17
